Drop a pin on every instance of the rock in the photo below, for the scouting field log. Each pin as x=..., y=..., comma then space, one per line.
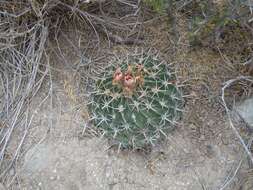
x=245, y=110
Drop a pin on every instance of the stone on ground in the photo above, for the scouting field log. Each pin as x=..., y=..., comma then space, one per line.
x=245, y=109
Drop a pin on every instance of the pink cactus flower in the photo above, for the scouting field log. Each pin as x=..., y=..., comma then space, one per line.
x=129, y=81
x=117, y=76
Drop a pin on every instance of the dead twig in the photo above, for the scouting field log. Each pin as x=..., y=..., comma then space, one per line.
x=236, y=132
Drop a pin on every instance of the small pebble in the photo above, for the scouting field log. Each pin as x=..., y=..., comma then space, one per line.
x=202, y=137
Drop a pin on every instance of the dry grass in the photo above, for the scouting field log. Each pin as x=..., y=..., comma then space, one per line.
x=27, y=29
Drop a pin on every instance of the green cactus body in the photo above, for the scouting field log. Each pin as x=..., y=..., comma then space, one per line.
x=139, y=113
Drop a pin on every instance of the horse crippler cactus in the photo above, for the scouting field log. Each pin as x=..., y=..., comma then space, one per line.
x=136, y=103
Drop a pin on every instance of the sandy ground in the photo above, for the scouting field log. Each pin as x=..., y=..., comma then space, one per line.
x=65, y=160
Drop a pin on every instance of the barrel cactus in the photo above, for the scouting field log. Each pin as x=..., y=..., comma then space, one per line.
x=136, y=102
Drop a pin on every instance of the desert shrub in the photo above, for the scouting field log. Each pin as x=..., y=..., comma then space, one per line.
x=157, y=5
x=226, y=27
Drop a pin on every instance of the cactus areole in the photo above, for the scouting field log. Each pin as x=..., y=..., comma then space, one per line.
x=136, y=103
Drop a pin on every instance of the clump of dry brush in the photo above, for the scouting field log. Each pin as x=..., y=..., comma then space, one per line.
x=25, y=27
x=22, y=43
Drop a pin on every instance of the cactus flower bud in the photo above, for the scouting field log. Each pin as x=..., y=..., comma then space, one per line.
x=129, y=81
x=117, y=76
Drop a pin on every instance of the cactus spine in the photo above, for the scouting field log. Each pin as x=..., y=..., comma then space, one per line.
x=137, y=102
